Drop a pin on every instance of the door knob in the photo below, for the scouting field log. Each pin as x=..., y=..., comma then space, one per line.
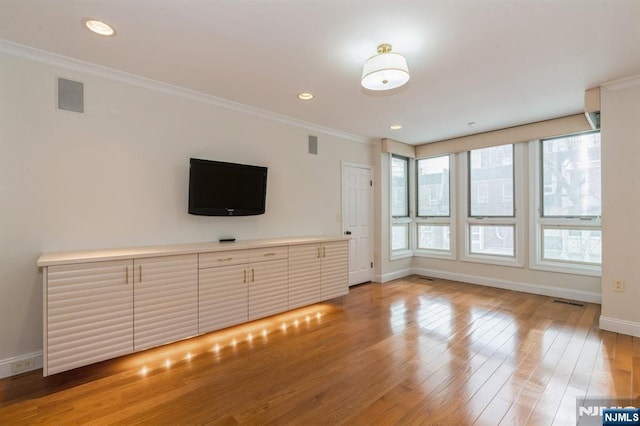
x=347, y=232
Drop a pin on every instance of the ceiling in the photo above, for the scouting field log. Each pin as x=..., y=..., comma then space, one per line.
x=497, y=63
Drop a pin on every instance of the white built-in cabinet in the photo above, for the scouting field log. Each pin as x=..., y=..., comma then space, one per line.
x=222, y=292
x=334, y=270
x=317, y=272
x=89, y=313
x=107, y=303
x=165, y=300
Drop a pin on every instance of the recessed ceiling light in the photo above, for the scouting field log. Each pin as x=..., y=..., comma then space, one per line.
x=305, y=96
x=395, y=127
x=99, y=27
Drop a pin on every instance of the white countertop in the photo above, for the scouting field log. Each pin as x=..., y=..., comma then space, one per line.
x=84, y=256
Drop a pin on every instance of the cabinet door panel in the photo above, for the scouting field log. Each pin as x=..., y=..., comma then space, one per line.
x=89, y=313
x=222, y=300
x=335, y=270
x=165, y=300
x=268, y=288
x=304, y=275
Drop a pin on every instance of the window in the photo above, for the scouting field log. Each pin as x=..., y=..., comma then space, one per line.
x=491, y=225
x=399, y=186
x=492, y=240
x=399, y=205
x=568, y=235
x=571, y=176
x=433, y=186
x=434, y=218
x=434, y=237
x=491, y=169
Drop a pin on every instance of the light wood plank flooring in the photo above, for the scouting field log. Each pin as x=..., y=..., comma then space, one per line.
x=413, y=351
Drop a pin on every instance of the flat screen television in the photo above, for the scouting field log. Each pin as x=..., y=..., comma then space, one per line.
x=226, y=189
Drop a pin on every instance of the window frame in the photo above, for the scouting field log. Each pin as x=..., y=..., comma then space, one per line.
x=538, y=222
x=449, y=220
x=401, y=220
x=516, y=221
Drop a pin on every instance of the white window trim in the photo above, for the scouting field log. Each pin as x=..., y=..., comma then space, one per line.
x=518, y=261
x=408, y=252
x=536, y=223
x=450, y=254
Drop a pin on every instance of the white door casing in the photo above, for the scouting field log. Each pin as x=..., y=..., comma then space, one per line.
x=357, y=220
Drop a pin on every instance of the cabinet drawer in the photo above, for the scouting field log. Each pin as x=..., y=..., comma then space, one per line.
x=268, y=253
x=222, y=258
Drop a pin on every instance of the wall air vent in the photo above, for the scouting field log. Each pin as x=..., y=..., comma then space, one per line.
x=70, y=95
x=569, y=302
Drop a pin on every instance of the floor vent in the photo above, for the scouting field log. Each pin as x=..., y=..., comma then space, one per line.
x=569, y=302
x=427, y=278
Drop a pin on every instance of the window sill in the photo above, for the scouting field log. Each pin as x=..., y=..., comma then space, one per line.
x=401, y=254
x=433, y=254
x=494, y=260
x=567, y=268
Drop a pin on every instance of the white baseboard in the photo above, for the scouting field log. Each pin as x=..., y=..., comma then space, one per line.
x=582, y=296
x=620, y=326
x=5, y=364
x=393, y=275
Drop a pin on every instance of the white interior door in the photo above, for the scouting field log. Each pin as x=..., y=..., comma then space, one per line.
x=357, y=220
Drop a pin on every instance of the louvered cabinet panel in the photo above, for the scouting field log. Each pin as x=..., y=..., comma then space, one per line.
x=304, y=275
x=165, y=300
x=335, y=270
x=268, y=288
x=222, y=297
x=89, y=313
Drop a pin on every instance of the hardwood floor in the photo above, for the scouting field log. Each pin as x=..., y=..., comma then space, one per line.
x=412, y=351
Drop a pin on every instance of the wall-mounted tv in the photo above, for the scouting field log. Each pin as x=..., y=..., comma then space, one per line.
x=226, y=189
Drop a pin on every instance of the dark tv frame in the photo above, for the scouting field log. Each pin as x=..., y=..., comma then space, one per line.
x=226, y=210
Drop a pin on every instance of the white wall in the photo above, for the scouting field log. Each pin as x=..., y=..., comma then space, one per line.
x=117, y=175
x=621, y=205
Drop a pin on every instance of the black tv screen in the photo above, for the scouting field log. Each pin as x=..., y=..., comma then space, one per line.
x=226, y=189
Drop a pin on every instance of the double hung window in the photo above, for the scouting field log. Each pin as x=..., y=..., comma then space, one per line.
x=569, y=206
x=434, y=227
x=399, y=205
x=492, y=226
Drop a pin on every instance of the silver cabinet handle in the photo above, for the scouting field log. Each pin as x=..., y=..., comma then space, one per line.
x=140, y=273
x=270, y=254
x=253, y=275
x=244, y=279
x=126, y=278
x=224, y=259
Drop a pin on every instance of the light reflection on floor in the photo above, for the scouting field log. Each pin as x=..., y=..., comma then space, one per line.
x=228, y=341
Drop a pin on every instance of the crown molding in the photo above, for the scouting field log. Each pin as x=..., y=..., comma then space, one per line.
x=68, y=63
x=623, y=83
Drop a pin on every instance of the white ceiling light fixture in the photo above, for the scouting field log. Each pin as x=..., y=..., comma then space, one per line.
x=385, y=71
x=99, y=27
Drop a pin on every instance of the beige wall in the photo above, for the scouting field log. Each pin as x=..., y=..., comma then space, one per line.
x=621, y=206
x=117, y=176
